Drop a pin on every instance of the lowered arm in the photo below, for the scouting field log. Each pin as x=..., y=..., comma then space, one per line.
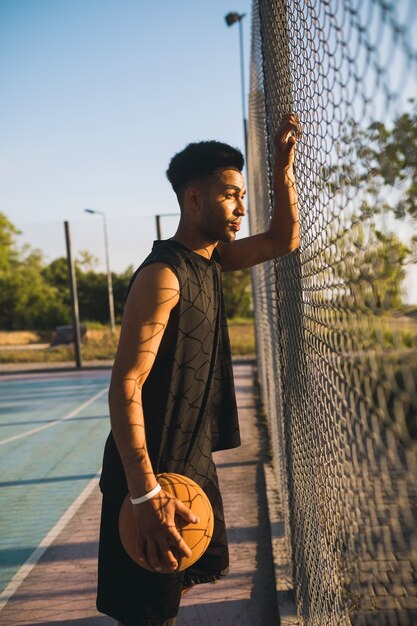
x=153, y=295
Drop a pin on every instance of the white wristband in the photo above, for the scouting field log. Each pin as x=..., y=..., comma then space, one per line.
x=147, y=496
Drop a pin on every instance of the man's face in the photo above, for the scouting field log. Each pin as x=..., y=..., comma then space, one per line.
x=221, y=205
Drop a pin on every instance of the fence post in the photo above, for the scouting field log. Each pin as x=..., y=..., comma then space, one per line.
x=74, y=298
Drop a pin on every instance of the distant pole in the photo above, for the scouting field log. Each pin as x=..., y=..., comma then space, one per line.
x=242, y=75
x=158, y=227
x=232, y=18
x=158, y=223
x=74, y=298
x=109, y=278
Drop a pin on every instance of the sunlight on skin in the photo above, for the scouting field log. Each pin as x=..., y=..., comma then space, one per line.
x=144, y=322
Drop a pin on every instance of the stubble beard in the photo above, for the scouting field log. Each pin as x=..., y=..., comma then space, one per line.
x=218, y=232
x=227, y=237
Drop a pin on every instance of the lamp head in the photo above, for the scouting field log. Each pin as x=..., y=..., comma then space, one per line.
x=233, y=17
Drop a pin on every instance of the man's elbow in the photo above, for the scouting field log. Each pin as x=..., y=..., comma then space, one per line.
x=294, y=244
x=114, y=404
x=281, y=246
x=124, y=390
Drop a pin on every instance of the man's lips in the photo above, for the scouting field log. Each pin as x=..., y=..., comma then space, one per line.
x=235, y=225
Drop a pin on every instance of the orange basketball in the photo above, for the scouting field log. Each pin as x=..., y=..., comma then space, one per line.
x=196, y=536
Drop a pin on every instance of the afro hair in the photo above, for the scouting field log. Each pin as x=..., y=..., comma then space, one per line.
x=200, y=160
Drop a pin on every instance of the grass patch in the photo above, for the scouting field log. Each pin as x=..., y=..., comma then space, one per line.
x=100, y=345
x=19, y=338
x=242, y=336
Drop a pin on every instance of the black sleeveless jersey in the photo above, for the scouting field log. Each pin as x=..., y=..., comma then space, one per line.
x=188, y=398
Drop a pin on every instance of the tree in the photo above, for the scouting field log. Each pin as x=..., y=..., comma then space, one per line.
x=381, y=164
x=237, y=293
x=370, y=268
x=35, y=295
x=26, y=299
x=378, y=175
x=86, y=260
x=8, y=249
x=92, y=289
x=392, y=157
x=120, y=286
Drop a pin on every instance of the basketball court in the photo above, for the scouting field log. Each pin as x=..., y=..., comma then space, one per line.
x=53, y=429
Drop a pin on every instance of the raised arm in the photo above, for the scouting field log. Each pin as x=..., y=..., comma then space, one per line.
x=282, y=235
x=152, y=297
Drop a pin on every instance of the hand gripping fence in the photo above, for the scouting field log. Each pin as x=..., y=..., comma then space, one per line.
x=336, y=341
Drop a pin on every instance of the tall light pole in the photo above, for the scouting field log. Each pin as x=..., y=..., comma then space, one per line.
x=109, y=279
x=232, y=18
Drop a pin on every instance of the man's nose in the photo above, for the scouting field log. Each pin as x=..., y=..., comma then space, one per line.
x=240, y=209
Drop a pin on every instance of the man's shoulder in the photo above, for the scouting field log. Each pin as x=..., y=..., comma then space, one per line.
x=154, y=277
x=161, y=263
x=165, y=251
x=179, y=259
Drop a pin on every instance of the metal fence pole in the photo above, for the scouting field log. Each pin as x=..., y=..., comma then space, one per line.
x=74, y=297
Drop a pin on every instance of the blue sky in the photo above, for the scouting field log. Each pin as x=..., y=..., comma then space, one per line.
x=97, y=95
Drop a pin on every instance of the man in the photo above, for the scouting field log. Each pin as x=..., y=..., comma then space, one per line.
x=171, y=395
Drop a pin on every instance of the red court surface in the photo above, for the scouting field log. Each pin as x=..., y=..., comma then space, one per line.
x=60, y=589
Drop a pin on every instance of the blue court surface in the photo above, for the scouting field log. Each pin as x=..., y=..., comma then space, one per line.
x=52, y=432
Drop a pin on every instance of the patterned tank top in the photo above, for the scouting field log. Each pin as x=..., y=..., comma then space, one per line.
x=188, y=398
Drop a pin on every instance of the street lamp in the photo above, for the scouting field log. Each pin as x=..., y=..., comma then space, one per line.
x=232, y=18
x=109, y=280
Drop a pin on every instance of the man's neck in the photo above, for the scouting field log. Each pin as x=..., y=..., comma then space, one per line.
x=195, y=242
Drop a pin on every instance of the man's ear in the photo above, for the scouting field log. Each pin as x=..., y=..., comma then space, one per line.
x=192, y=198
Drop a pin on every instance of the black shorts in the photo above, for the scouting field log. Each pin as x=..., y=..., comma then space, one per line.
x=135, y=596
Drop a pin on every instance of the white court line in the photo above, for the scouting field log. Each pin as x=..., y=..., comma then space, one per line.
x=62, y=419
x=37, y=388
x=39, y=394
x=30, y=563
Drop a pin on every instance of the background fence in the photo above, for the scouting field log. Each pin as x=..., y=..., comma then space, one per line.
x=337, y=345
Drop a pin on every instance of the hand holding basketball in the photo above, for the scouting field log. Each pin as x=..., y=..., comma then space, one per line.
x=159, y=533
x=158, y=540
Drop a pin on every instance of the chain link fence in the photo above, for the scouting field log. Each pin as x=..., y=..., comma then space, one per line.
x=336, y=325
